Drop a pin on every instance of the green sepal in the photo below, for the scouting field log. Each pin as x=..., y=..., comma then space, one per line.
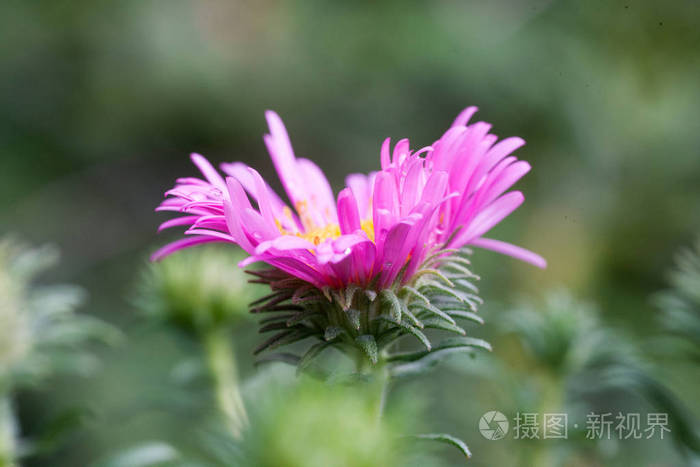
x=435, y=288
x=283, y=338
x=369, y=347
x=421, y=307
x=465, y=315
x=311, y=354
x=389, y=297
x=354, y=317
x=414, y=331
x=301, y=316
x=447, y=344
x=436, y=323
x=332, y=332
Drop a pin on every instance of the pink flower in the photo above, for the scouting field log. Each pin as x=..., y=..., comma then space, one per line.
x=382, y=226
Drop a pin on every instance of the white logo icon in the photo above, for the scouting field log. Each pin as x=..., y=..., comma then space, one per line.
x=493, y=425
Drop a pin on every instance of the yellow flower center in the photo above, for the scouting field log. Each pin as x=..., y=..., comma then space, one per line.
x=318, y=235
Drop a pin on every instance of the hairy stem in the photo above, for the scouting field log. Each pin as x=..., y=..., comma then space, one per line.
x=383, y=390
x=8, y=432
x=222, y=369
x=378, y=384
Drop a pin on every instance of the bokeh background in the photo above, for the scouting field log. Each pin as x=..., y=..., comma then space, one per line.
x=101, y=103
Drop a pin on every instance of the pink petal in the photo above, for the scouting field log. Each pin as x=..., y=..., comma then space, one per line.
x=242, y=173
x=284, y=242
x=211, y=233
x=362, y=187
x=184, y=220
x=384, y=154
x=348, y=215
x=464, y=116
x=510, y=250
x=180, y=244
x=319, y=193
x=282, y=154
x=492, y=215
x=208, y=171
x=232, y=209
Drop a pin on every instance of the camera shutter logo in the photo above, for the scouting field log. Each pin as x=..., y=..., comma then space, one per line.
x=493, y=425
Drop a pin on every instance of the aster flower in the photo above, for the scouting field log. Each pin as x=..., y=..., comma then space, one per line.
x=385, y=259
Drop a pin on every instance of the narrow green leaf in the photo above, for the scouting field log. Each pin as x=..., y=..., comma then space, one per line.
x=448, y=439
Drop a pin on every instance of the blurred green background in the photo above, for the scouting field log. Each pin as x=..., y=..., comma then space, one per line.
x=101, y=103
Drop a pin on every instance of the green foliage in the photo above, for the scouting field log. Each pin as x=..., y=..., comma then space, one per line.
x=680, y=306
x=561, y=334
x=563, y=348
x=40, y=332
x=196, y=290
x=40, y=335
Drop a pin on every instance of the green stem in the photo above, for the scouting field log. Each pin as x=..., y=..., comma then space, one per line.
x=222, y=368
x=552, y=401
x=378, y=386
x=383, y=390
x=8, y=432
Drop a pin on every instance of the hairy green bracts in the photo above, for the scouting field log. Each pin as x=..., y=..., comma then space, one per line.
x=364, y=323
x=197, y=291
